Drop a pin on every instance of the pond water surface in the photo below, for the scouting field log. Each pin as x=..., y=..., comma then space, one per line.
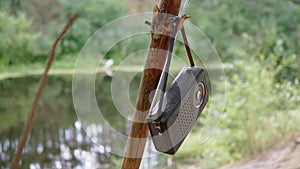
x=57, y=139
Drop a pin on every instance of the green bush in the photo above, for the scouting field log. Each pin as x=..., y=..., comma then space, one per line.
x=18, y=44
x=93, y=15
x=224, y=22
x=260, y=109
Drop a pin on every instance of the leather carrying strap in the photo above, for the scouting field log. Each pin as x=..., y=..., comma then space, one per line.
x=187, y=47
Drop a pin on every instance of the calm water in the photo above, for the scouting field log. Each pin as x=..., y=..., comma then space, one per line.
x=57, y=139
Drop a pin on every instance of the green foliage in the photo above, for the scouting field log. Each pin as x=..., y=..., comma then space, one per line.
x=259, y=109
x=93, y=15
x=127, y=47
x=17, y=45
x=21, y=46
x=266, y=20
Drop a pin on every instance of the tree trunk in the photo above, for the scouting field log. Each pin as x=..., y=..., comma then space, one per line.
x=159, y=44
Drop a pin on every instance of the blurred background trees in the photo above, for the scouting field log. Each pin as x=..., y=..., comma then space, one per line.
x=30, y=27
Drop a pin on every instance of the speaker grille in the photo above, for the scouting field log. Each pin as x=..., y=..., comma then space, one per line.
x=186, y=116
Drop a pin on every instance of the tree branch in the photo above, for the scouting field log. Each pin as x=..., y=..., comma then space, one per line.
x=42, y=84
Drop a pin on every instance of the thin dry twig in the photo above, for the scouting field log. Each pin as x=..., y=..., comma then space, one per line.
x=42, y=84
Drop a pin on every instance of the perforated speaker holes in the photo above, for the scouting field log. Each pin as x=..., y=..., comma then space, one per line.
x=186, y=116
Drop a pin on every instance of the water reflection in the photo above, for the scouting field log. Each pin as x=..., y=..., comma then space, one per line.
x=57, y=139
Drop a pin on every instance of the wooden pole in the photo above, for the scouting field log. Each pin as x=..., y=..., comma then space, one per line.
x=159, y=44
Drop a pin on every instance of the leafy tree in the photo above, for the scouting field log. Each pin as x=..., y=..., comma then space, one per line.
x=17, y=45
x=93, y=15
x=260, y=109
x=273, y=25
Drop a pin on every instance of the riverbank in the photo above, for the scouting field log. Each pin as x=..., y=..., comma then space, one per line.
x=282, y=156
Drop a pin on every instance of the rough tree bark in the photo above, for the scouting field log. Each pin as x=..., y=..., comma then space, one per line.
x=156, y=58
